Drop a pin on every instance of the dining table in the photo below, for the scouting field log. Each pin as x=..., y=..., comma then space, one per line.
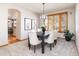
x=42, y=36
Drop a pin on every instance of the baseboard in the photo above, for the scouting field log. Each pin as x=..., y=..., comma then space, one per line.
x=76, y=47
x=13, y=43
x=4, y=45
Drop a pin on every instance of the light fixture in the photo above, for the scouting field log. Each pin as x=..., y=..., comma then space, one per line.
x=43, y=16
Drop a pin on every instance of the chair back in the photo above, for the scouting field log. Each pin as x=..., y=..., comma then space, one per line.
x=39, y=30
x=33, y=38
x=51, y=37
x=55, y=34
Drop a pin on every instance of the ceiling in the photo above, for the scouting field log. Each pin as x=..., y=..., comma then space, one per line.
x=49, y=7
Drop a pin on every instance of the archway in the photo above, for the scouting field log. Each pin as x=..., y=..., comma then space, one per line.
x=14, y=17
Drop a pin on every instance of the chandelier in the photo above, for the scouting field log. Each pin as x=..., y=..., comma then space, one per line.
x=43, y=16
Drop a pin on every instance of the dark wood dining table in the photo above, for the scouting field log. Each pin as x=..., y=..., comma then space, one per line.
x=42, y=37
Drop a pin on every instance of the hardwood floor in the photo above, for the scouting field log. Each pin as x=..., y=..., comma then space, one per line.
x=12, y=39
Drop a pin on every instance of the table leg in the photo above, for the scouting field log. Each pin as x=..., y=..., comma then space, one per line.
x=43, y=46
x=50, y=46
x=55, y=41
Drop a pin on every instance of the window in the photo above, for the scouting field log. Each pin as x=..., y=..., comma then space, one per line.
x=58, y=22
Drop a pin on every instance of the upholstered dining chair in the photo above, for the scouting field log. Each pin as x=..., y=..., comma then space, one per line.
x=38, y=30
x=33, y=40
x=55, y=36
x=50, y=39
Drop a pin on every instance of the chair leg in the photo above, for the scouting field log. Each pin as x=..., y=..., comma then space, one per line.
x=53, y=44
x=29, y=46
x=34, y=48
x=50, y=46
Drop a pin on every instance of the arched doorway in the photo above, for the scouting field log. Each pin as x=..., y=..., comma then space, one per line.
x=14, y=17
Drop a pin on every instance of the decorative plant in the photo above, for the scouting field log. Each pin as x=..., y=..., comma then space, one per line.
x=68, y=35
x=43, y=29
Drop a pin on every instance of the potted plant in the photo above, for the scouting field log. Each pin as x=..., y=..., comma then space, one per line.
x=68, y=35
x=43, y=29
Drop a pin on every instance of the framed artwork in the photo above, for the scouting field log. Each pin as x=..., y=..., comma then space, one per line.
x=27, y=24
x=33, y=24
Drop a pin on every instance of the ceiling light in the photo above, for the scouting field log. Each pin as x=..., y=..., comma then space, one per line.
x=43, y=16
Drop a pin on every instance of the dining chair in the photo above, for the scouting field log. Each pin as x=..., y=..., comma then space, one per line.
x=39, y=30
x=33, y=40
x=55, y=36
x=50, y=39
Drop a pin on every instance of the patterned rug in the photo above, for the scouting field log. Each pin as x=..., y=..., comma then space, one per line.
x=62, y=48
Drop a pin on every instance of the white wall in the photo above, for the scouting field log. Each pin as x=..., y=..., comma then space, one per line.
x=26, y=15
x=71, y=18
x=3, y=25
x=77, y=26
x=22, y=34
